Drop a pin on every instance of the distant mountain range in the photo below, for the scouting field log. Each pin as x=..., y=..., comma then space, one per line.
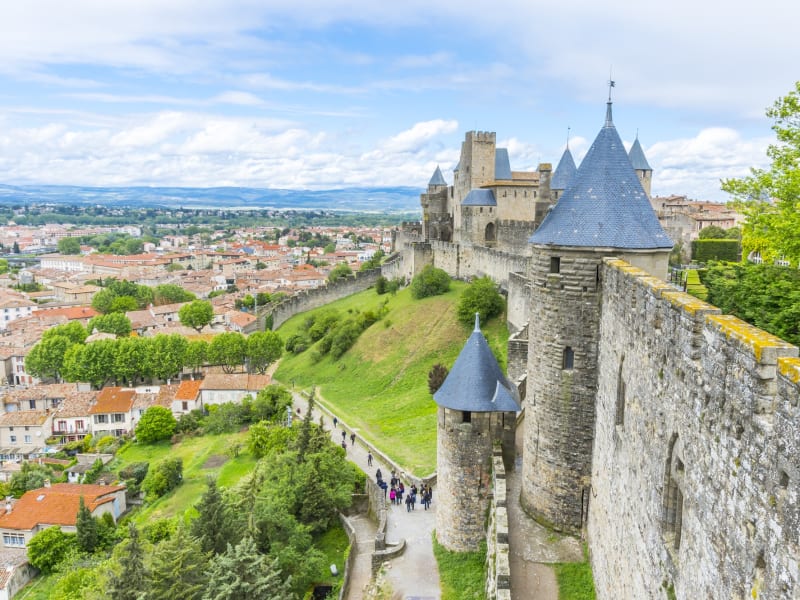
x=373, y=199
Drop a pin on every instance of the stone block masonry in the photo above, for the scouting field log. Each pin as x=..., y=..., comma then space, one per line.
x=696, y=464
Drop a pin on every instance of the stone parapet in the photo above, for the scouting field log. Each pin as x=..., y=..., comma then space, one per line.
x=498, y=567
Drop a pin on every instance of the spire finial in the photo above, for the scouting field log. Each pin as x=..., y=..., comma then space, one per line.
x=477, y=322
x=609, y=122
x=568, y=128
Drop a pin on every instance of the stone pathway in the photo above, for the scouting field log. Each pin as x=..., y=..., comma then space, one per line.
x=532, y=546
x=413, y=575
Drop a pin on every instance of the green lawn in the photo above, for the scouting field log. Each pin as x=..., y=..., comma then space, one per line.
x=380, y=385
x=462, y=575
x=194, y=451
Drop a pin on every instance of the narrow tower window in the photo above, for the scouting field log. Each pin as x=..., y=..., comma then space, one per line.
x=620, y=416
x=568, y=360
x=672, y=520
x=466, y=416
x=555, y=264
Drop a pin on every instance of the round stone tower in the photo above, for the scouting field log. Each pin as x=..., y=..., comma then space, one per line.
x=603, y=212
x=477, y=407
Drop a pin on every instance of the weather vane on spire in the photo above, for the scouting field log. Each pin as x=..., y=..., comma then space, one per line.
x=611, y=84
x=568, y=129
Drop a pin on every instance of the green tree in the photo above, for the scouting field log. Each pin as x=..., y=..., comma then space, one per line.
x=170, y=293
x=130, y=358
x=196, y=354
x=50, y=547
x=116, y=323
x=270, y=403
x=242, y=572
x=88, y=536
x=166, y=476
x=339, y=271
x=770, y=198
x=168, y=355
x=196, y=314
x=712, y=232
x=178, y=569
x=123, y=304
x=31, y=476
x=212, y=525
x=229, y=350
x=15, y=248
x=480, y=297
x=430, y=282
x=46, y=359
x=156, y=424
x=74, y=331
x=263, y=349
x=128, y=576
x=69, y=245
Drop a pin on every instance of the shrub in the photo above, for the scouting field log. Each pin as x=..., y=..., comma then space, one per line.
x=480, y=297
x=50, y=547
x=166, y=476
x=381, y=285
x=705, y=250
x=189, y=422
x=156, y=424
x=136, y=471
x=430, y=282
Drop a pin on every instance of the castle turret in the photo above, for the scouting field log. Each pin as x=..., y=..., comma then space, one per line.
x=639, y=162
x=603, y=212
x=476, y=168
x=564, y=174
x=477, y=407
x=437, y=222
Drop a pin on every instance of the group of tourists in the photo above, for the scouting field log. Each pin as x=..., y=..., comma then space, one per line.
x=394, y=489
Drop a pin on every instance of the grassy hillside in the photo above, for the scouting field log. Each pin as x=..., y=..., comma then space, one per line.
x=380, y=386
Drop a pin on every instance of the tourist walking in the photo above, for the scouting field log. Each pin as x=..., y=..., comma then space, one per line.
x=335, y=422
x=352, y=439
x=369, y=459
x=344, y=436
x=344, y=445
x=408, y=503
x=392, y=496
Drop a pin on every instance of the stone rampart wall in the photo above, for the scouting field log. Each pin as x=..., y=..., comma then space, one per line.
x=512, y=236
x=346, y=286
x=518, y=300
x=696, y=463
x=498, y=568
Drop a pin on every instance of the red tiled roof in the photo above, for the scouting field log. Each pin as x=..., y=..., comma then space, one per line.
x=188, y=390
x=113, y=400
x=56, y=505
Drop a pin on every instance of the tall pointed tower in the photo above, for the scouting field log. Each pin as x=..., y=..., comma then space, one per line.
x=643, y=169
x=477, y=407
x=437, y=220
x=564, y=174
x=603, y=212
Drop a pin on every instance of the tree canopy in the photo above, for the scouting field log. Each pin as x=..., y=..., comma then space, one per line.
x=69, y=245
x=196, y=314
x=115, y=322
x=770, y=198
x=480, y=297
x=157, y=423
x=431, y=281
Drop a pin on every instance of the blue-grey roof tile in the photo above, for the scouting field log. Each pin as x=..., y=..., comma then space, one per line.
x=438, y=178
x=476, y=383
x=605, y=205
x=565, y=172
x=637, y=157
x=502, y=166
x=479, y=197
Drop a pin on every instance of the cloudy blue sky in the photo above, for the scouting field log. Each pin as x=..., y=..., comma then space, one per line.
x=333, y=93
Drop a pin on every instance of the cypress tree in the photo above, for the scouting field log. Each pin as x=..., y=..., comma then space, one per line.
x=243, y=572
x=211, y=528
x=178, y=569
x=129, y=581
x=88, y=531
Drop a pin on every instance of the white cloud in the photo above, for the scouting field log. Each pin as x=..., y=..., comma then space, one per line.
x=414, y=139
x=695, y=166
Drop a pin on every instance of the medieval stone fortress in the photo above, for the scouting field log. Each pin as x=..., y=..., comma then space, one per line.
x=665, y=432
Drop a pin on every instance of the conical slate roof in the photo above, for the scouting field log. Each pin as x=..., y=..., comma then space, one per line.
x=565, y=172
x=637, y=157
x=605, y=205
x=502, y=166
x=479, y=197
x=476, y=383
x=438, y=178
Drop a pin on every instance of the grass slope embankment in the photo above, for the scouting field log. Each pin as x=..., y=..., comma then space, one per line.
x=380, y=386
